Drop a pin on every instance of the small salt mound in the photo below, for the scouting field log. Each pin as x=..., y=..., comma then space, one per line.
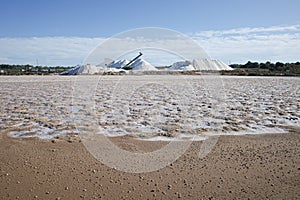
x=183, y=66
x=74, y=71
x=90, y=69
x=142, y=65
x=82, y=69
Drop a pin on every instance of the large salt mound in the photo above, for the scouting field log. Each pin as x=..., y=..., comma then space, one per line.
x=142, y=65
x=118, y=64
x=207, y=64
x=200, y=64
x=138, y=65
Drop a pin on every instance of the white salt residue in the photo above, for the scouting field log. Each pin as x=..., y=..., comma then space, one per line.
x=40, y=133
x=33, y=129
x=36, y=106
x=247, y=106
x=150, y=107
x=180, y=137
x=205, y=136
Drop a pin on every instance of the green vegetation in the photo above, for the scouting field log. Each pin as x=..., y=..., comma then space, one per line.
x=265, y=69
x=6, y=69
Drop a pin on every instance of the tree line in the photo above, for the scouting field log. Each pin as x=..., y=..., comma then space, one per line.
x=7, y=69
x=267, y=68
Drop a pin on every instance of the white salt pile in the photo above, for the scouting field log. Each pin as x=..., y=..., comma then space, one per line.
x=142, y=65
x=183, y=66
x=200, y=64
x=82, y=69
x=118, y=64
x=208, y=64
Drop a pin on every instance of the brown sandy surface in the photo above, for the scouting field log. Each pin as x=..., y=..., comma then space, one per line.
x=239, y=167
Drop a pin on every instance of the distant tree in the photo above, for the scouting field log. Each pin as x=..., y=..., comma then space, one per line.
x=255, y=65
x=263, y=66
x=279, y=64
x=248, y=64
x=235, y=65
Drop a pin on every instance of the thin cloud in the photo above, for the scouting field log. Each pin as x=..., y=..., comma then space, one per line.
x=275, y=43
x=46, y=50
x=256, y=44
x=248, y=30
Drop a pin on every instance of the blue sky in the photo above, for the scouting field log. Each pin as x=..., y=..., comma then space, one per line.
x=217, y=25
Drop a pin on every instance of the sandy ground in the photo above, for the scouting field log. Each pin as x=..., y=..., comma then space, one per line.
x=239, y=167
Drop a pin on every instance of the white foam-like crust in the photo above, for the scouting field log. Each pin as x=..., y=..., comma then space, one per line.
x=36, y=106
